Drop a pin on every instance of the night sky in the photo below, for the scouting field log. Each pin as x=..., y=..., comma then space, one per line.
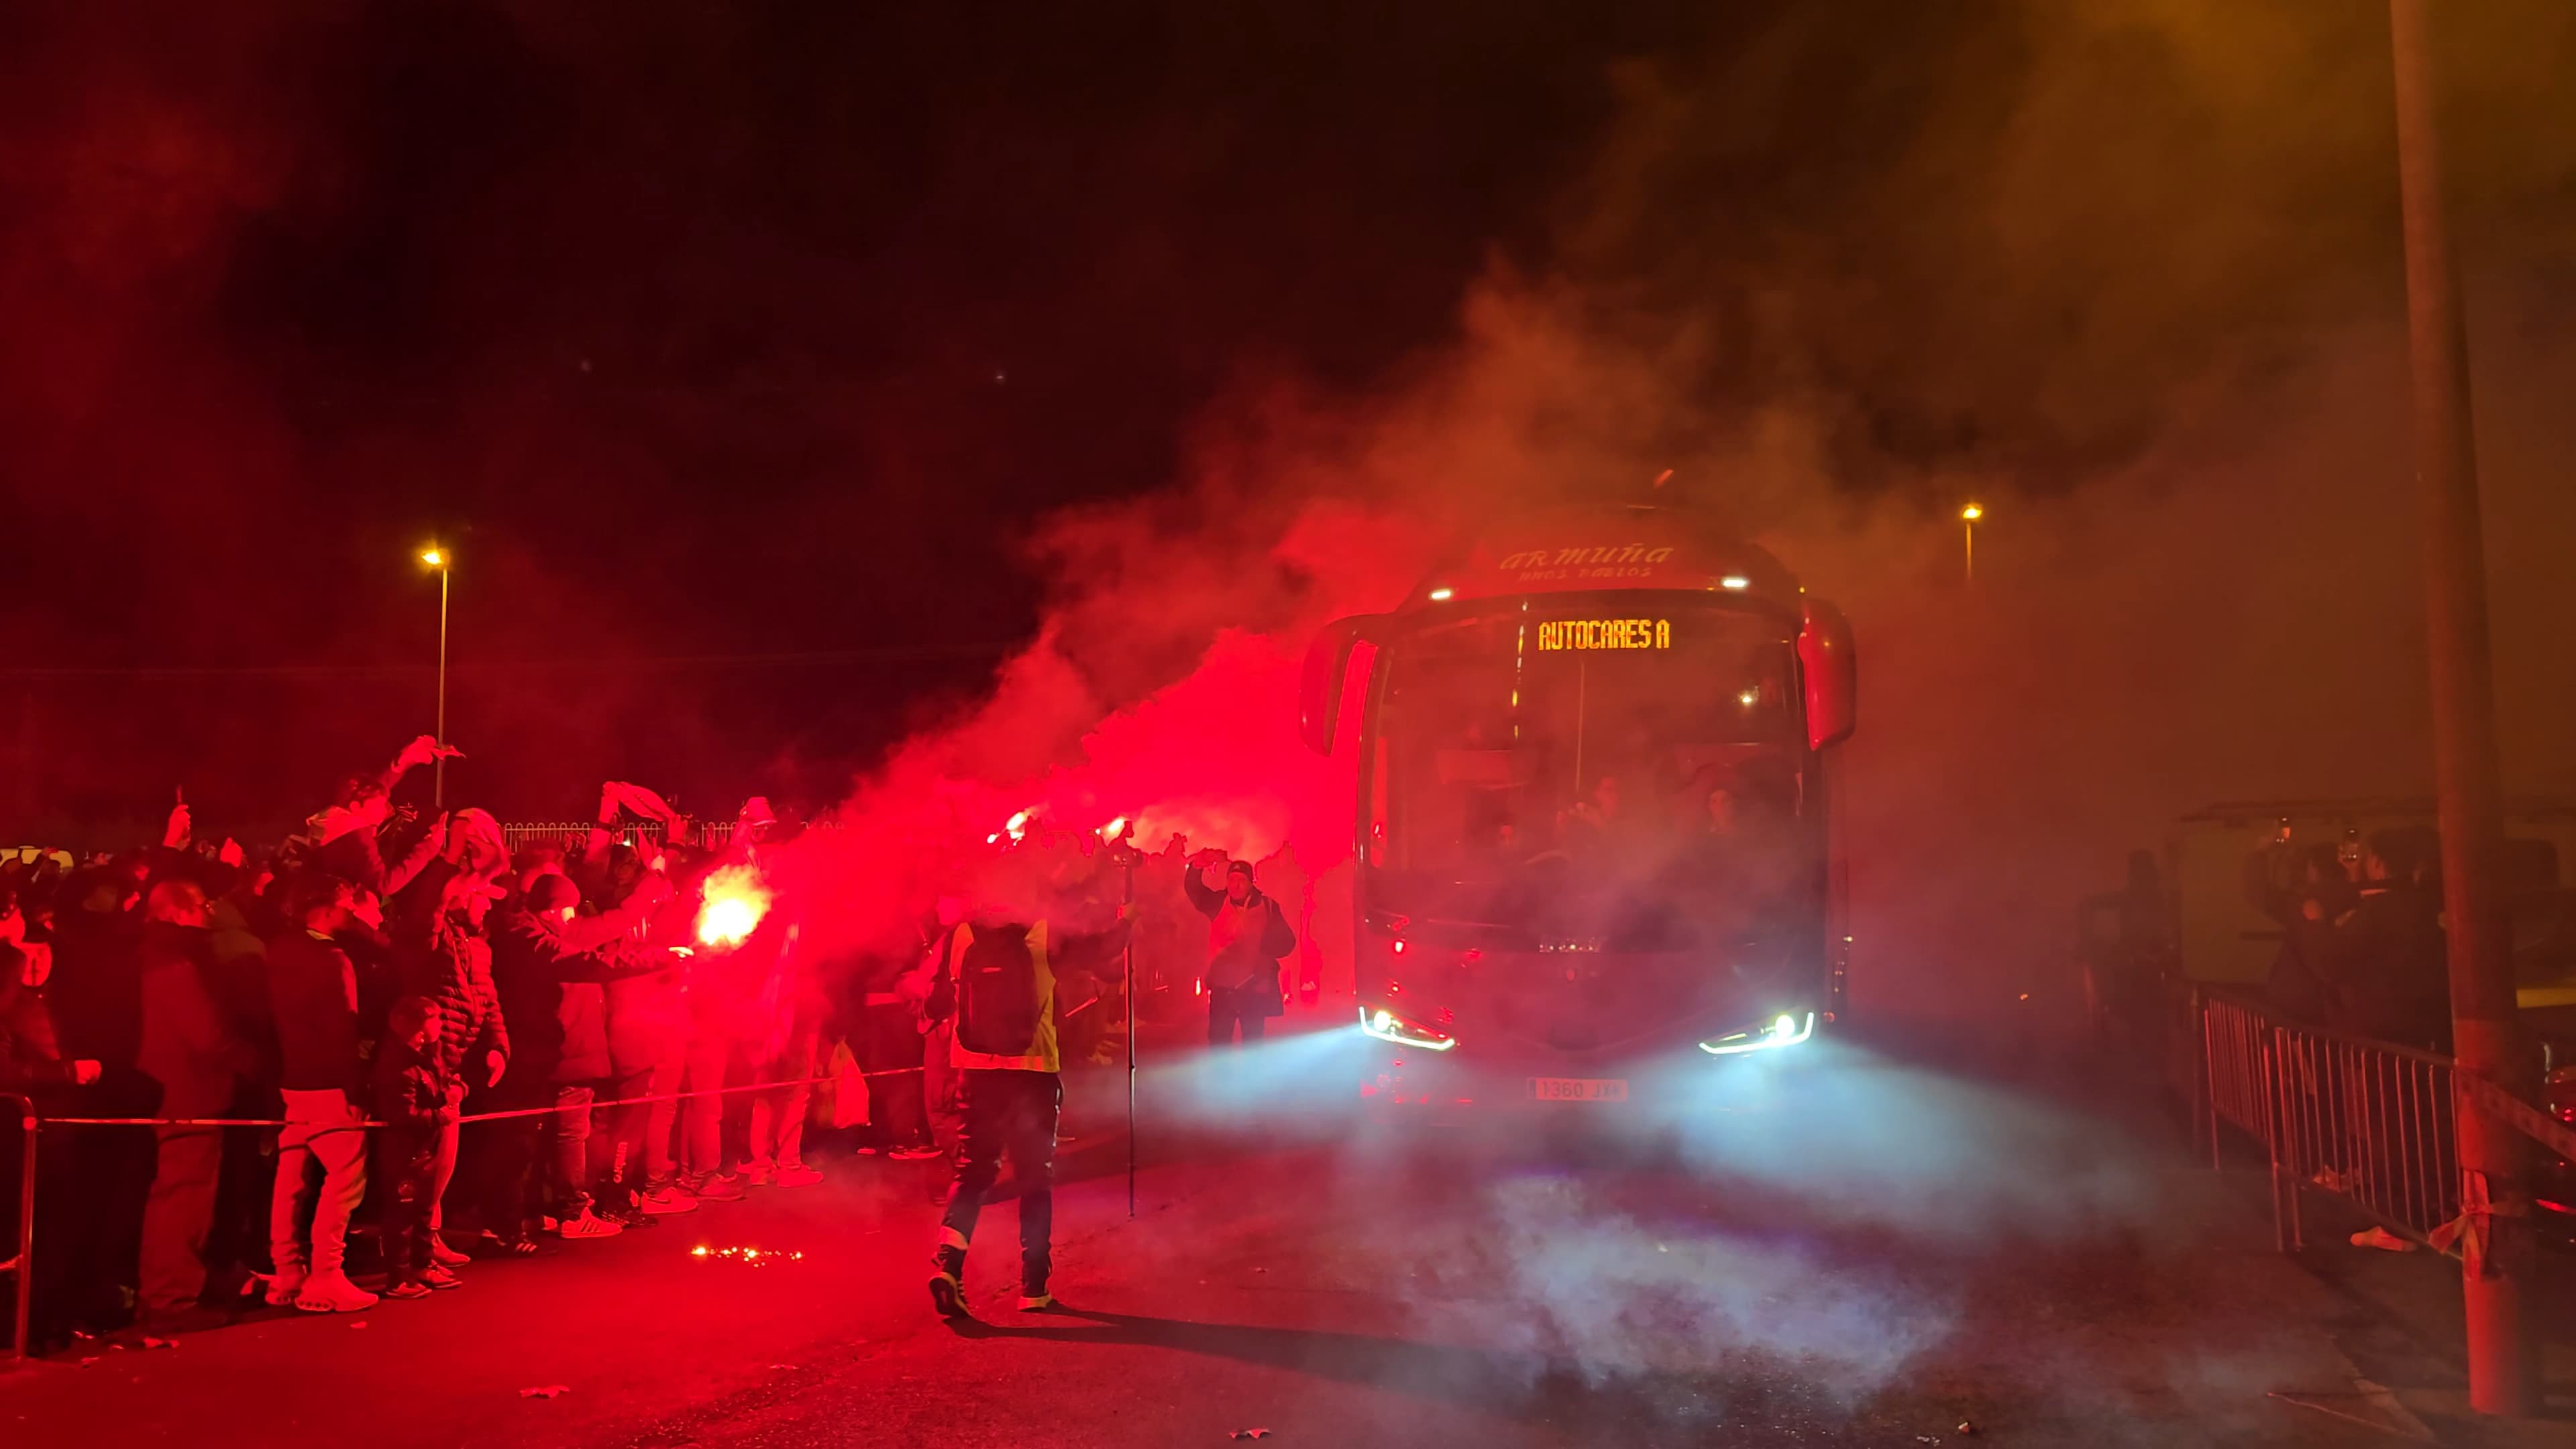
x=737, y=350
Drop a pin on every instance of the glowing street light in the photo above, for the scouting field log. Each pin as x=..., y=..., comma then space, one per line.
x=436, y=557
x=1968, y=517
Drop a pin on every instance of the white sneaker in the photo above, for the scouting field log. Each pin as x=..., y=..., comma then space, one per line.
x=333, y=1293
x=282, y=1287
x=796, y=1174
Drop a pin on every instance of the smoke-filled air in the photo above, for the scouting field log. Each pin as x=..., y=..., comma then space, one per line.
x=936, y=444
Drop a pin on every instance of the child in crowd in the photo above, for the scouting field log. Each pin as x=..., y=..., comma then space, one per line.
x=415, y=1100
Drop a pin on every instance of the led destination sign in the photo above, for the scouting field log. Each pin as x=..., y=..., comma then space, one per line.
x=1564, y=634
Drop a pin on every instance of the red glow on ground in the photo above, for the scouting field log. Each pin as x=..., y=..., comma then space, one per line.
x=748, y=1257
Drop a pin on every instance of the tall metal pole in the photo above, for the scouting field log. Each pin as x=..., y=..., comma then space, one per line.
x=23, y=1279
x=438, y=786
x=1127, y=864
x=2503, y=1369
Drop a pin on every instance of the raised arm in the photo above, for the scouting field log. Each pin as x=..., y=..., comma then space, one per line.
x=1202, y=895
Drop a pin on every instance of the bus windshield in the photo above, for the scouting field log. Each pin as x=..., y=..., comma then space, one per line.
x=1597, y=767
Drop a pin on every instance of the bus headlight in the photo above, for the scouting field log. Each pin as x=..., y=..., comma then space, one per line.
x=1786, y=1029
x=1385, y=1025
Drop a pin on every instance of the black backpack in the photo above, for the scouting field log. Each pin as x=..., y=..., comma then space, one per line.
x=997, y=993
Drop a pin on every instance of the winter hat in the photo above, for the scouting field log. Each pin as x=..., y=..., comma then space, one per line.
x=486, y=850
x=1242, y=868
x=550, y=893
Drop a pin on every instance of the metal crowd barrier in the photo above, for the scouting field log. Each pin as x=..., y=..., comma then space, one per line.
x=2367, y=1122
x=574, y=834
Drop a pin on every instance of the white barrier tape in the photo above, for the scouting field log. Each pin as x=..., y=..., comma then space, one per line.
x=474, y=1117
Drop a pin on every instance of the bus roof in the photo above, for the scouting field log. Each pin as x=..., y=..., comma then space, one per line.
x=1570, y=549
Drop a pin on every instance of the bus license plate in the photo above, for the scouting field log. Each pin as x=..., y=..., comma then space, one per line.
x=1579, y=1089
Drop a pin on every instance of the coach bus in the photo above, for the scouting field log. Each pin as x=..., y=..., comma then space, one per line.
x=1595, y=858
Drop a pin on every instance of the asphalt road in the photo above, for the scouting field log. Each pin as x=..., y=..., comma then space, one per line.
x=1875, y=1255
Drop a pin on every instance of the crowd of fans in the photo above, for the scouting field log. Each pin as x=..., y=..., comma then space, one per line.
x=372, y=983
x=2362, y=948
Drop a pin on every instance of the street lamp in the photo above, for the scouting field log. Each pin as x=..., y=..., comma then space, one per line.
x=436, y=557
x=1968, y=517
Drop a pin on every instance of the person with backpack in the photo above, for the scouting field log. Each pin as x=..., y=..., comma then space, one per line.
x=995, y=981
x=1247, y=936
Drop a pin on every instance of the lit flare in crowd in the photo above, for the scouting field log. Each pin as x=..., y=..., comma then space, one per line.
x=734, y=903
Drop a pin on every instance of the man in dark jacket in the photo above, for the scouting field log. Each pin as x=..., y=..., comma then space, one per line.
x=96, y=1000
x=648, y=1030
x=31, y=1054
x=32, y=1064
x=199, y=1057
x=2305, y=905
x=97, y=995
x=583, y=1150
x=313, y=989
x=890, y=1049
x=2389, y=960
x=550, y=995
x=1246, y=938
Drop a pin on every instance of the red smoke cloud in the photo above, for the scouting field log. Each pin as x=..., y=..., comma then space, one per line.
x=1203, y=612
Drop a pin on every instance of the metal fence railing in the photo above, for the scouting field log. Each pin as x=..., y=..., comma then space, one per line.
x=2235, y=1091
x=2370, y=1123
x=573, y=835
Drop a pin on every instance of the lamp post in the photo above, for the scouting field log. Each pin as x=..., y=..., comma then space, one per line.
x=1968, y=517
x=2494, y=1157
x=437, y=558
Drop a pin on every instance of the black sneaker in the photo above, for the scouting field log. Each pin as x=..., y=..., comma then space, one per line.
x=948, y=1298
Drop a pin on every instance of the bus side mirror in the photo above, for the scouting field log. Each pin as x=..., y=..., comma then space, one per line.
x=1832, y=681
x=1319, y=689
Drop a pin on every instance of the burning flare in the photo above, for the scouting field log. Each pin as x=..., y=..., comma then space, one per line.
x=735, y=901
